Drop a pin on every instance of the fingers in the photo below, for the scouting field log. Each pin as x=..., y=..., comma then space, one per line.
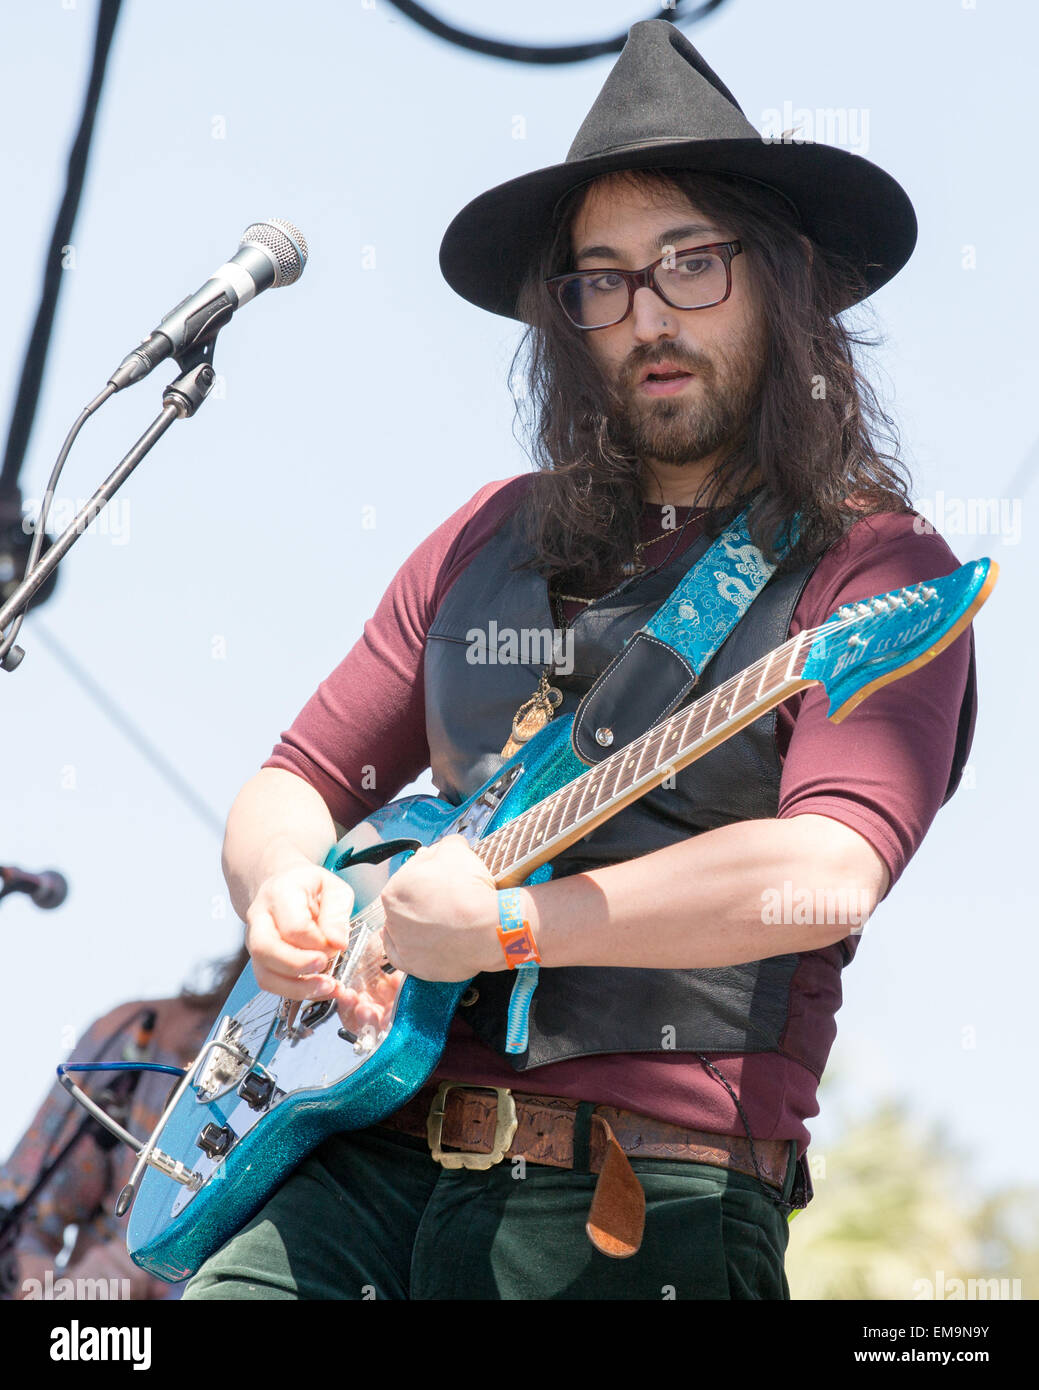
x=297, y=923
x=358, y=1011
x=370, y=1004
x=273, y=955
x=310, y=908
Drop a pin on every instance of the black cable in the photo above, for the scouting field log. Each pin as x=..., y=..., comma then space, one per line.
x=36, y=354
x=40, y=524
x=535, y=53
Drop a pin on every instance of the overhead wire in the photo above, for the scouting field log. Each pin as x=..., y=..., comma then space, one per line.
x=122, y=721
x=542, y=53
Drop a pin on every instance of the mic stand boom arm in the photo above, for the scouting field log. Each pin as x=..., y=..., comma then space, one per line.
x=180, y=400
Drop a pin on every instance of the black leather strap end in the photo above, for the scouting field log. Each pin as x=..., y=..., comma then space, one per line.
x=642, y=685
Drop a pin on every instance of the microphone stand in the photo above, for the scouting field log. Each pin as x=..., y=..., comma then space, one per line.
x=180, y=400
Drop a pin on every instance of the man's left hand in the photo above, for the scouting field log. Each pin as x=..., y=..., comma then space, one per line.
x=442, y=914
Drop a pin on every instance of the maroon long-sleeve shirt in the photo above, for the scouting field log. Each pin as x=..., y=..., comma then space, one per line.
x=883, y=772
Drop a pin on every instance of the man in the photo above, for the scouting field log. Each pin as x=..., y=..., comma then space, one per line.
x=677, y=1033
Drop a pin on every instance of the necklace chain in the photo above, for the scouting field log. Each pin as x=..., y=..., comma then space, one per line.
x=630, y=569
x=535, y=713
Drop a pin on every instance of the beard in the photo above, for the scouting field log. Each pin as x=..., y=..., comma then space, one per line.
x=710, y=414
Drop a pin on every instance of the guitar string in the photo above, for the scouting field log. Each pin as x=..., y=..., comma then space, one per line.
x=367, y=919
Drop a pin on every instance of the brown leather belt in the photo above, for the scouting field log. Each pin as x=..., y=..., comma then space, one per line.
x=484, y=1125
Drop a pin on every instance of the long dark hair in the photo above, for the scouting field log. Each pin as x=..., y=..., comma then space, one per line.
x=223, y=974
x=809, y=442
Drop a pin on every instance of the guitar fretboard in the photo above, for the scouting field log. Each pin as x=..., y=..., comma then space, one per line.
x=514, y=850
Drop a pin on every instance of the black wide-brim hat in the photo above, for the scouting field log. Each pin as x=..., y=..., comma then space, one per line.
x=661, y=105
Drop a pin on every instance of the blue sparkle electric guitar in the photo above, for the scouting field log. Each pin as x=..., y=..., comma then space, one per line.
x=277, y=1076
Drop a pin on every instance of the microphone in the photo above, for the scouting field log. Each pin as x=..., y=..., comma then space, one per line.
x=271, y=254
x=48, y=889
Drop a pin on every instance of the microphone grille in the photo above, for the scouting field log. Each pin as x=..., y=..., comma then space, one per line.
x=286, y=245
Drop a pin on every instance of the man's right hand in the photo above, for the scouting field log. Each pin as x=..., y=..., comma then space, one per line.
x=298, y=920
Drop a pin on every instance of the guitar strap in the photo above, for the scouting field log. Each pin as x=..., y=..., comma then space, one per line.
x=654, y=673
x=662, y=662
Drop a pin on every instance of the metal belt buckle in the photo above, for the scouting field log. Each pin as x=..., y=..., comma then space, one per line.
x=505, y=1126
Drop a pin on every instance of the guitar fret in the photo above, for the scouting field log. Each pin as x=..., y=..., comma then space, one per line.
x=633, y=763
x=575, y=787
x=509, y=834
x=691, y=734
x=508, y=839
x=538, y=836
x=564, y=806
x=550, y=829
x=524, y=840
x=561, y=819
x=489, y=850
x=710, y=711
x=764, y=675
x=655, y=744
x=596, y=781
x=618, y=768
x=674, y=738
x=734, y=703
x=789, y=674
x=643, y=748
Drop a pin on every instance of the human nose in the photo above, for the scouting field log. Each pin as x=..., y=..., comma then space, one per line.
x=651, y=317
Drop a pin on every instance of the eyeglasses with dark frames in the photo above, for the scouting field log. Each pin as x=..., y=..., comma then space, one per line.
x=696, y=278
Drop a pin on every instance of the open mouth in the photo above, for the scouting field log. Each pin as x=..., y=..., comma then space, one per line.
x=664, y=383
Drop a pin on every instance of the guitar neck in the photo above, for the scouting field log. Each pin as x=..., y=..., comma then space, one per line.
x=516, y=849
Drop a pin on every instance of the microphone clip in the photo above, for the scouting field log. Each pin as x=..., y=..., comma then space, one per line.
x=197, y=379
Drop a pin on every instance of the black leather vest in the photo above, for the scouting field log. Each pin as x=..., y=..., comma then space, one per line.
x=586, y=1010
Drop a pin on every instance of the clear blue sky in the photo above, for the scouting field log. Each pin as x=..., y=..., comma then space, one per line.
x=240, y=570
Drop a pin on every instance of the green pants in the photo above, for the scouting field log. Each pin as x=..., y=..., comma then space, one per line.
x=371, y=1215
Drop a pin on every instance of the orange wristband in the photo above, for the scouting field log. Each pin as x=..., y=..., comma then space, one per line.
x=516, y=937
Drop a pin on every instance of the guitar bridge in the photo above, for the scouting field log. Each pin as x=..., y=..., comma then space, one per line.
x=232, y=1054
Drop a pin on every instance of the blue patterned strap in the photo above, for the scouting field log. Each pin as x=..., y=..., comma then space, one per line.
x=712, y=597
x=662, y=662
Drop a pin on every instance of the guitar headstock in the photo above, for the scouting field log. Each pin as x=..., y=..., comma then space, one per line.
x=865, y=645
